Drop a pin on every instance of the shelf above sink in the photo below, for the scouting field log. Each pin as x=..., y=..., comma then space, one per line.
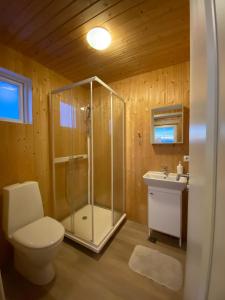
x=170, y=181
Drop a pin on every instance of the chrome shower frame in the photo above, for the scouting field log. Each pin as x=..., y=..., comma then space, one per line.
x=90, y=244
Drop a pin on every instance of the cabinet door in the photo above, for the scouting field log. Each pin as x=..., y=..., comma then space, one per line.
x=164, y=211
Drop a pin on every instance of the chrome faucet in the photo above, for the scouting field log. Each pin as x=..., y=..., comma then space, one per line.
x=165, y=170
x=183, y=175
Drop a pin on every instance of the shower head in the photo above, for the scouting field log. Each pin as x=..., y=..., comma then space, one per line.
x=85, y=108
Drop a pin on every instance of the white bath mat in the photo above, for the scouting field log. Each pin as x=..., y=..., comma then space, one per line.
x=157, y=266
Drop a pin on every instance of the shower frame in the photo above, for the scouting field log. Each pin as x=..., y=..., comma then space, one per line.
x=90, y=244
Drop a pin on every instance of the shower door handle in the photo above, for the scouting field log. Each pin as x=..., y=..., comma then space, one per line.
x=76, y=157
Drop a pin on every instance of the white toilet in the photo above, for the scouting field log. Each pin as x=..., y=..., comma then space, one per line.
x=35, y=238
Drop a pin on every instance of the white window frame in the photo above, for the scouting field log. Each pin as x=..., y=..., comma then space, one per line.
x=25, y=95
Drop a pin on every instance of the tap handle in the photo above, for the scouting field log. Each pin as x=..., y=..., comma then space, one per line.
x=164, y=168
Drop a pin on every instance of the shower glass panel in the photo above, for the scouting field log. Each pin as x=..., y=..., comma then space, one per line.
x=102, y=170
x=87, y=133
x=62, y=116
x=118, y=158
x=81, y=209
x=71, y=117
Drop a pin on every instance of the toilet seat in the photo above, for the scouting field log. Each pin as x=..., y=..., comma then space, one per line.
x=42, y=233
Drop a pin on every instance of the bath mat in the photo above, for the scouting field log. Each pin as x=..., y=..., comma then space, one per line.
x=157, y=266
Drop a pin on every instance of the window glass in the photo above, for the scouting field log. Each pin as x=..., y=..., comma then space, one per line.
x=15, y=97
x=67, y=115
x=9, y=101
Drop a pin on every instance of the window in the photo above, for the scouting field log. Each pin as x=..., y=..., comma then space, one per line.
x=67, y=115
x=15, y=97
x=165, y=134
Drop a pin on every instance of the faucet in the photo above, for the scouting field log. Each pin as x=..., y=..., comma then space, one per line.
x=165, y=170
x=183, y=175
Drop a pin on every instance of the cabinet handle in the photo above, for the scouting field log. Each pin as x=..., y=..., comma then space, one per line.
x=151, y=193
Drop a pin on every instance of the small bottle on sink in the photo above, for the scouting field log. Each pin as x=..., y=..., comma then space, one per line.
x=180, y=169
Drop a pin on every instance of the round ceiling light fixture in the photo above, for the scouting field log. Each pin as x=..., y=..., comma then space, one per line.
x=99, y=38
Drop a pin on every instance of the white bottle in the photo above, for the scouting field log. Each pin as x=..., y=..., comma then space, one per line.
x=180, y=169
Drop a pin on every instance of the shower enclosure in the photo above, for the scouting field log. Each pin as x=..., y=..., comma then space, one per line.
x=87, y=133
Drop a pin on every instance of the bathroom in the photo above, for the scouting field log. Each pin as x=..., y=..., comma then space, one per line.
x=110, y=153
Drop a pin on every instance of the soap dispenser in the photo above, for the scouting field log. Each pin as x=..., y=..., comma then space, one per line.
x=180, y=168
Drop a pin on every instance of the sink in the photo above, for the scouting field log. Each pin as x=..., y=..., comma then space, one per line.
x=170, y=181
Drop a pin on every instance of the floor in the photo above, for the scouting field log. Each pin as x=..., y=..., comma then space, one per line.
x=82, y=274
x=80, y=223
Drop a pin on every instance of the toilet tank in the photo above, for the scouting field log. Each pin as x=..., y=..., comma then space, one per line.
x=22, y=205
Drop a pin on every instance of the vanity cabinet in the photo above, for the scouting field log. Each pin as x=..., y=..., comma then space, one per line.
x=165, y=211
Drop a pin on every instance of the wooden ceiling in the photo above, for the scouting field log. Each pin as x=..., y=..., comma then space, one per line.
x=146, y=35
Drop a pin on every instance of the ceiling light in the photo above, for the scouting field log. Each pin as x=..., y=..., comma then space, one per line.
x=99, y=38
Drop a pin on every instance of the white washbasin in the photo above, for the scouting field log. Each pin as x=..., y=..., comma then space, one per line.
x=170, y=181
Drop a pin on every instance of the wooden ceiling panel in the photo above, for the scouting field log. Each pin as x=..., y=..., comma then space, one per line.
x=130, y=36
x=75, y=30
x=8, y=11
x=40, y=22
x=76, y=41
x=146, y=34
x=29, y=36
x=24, y=17
x=110, y=69
x=122, y=57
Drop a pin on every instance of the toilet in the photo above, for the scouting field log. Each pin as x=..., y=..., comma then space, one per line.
x=36, y=239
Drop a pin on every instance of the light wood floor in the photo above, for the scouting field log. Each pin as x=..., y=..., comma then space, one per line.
x=84, y=275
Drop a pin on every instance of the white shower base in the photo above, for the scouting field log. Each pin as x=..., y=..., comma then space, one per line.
x=79, y=226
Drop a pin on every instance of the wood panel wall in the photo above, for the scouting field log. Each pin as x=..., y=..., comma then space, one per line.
x=24, y=149
x=142, y=93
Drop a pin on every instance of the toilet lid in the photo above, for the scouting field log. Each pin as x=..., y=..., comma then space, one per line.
x=40, y=234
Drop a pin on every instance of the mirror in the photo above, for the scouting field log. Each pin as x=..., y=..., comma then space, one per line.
x=167, y=124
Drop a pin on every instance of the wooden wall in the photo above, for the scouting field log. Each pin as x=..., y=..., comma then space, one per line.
x=142, y=93
x=24, y=149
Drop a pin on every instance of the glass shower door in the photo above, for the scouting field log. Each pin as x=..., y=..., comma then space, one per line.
x=118, y=157
x=81, y=208
x=62, y=119
x=102, y=168
x=88, y=160
x=71, y=123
